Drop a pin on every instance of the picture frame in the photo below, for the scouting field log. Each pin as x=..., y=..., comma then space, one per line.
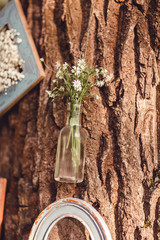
x=3, y=186
x=13, y=16
x=73, y=208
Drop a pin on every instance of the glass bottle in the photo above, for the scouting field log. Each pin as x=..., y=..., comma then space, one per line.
x=71, y=148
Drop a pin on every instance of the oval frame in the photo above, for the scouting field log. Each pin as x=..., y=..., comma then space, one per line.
x=74, y=208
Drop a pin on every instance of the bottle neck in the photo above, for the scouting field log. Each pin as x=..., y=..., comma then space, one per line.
x=73, y=114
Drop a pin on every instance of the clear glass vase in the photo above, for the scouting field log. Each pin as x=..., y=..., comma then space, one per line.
x=71, y=148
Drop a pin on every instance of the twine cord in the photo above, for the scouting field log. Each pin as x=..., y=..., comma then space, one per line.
x=85, y=45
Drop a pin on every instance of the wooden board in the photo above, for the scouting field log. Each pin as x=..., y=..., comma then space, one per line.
x=12, y=15
x=3, y=184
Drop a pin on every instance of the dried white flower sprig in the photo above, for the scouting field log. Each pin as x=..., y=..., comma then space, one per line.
x=76, y=82
x=11, y=64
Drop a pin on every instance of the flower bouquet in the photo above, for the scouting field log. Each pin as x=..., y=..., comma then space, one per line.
x=74, y=83
x=11, y=64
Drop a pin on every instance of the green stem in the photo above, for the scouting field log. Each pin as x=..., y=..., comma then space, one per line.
x=76, y=148
x=74, y=137
x=69, y=137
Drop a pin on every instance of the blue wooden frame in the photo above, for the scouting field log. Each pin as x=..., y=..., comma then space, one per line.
x=13, y=16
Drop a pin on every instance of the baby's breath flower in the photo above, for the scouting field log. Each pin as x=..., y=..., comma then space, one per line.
x=10, y=62
x=18, y=40
x=77, y=85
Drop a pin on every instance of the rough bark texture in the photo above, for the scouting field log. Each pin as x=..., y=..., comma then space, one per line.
x=123, y=147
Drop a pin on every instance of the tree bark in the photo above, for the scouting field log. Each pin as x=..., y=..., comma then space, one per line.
x=123, y=146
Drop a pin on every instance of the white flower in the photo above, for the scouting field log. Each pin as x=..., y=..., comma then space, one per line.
x=156, y=179
x=100, y=83
x=109, y=77
x=82, y=68
x=104, y=72
x=76, y=70
x=42, y=59
x=97, y=97
x=97, y=72
x=77, y=85
x=58, y=64
x=81, y=62
x=65, y=65
x=50, y=93
x=59, y=74
x=73, y=69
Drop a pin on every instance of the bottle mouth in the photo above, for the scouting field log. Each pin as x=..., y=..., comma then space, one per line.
x=74, y=107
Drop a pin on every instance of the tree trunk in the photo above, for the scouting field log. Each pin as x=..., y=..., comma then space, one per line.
x=123, y=146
